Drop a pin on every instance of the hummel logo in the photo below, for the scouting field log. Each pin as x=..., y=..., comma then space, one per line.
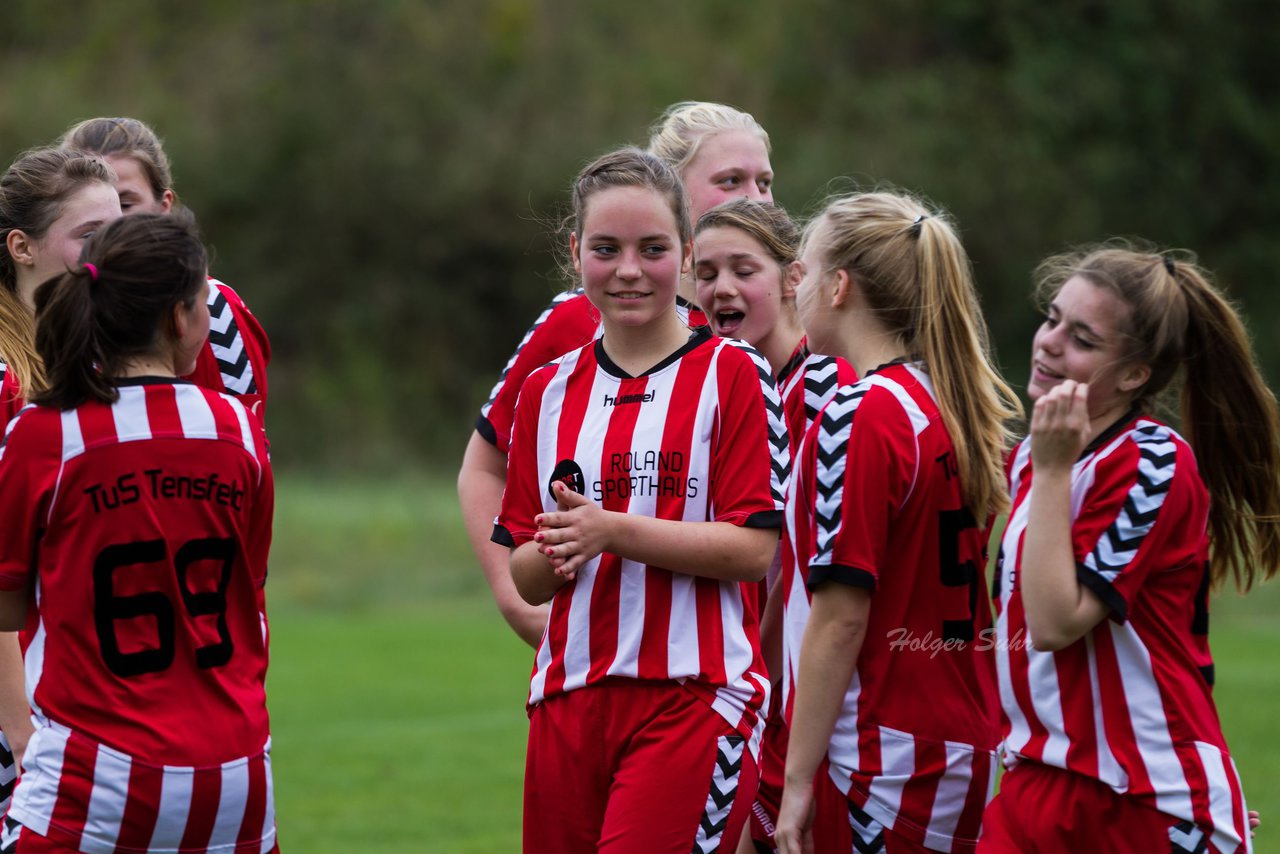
x=622, y=399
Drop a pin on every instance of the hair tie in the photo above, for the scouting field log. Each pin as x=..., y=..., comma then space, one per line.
x=93, y=271
x=915, y=225
x=1168, y=265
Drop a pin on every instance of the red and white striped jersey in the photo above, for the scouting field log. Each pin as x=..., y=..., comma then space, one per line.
x=235, y=358
x=876, y=502
x=94, y=799
x=698, y=438
x=142, y=528
x=1139, y=714
x=569, y=322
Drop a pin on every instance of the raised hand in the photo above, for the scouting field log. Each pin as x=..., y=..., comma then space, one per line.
x=1060, y=425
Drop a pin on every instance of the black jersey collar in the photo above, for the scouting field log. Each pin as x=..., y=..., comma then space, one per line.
x=698, y=336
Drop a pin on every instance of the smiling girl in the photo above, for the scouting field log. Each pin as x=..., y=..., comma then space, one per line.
x=642, y=499
x=1119, y=529
x=721, y=153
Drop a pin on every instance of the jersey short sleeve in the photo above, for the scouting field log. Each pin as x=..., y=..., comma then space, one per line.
x=521, y=500
x=569, y=322
x=28, y=470
x=752, y=461
x=1141, y=512
x=865, y=461
x=235, y=358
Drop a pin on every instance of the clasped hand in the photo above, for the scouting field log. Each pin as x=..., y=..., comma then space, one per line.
x=576, y=532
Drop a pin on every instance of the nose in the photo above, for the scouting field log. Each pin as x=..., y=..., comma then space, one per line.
x=1050, y=340
x=628, y=267
x=725, y=287
x=754, y=193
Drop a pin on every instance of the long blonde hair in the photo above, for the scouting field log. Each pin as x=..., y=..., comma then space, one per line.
x=915, y=276
x=1178, y=320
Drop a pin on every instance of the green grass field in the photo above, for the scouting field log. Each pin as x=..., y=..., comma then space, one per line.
x=397, y=691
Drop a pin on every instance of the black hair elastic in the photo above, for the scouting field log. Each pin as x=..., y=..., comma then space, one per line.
x=1168, y=265
x=915, y=226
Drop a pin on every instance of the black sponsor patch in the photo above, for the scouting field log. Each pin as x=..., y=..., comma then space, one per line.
x=570, y=474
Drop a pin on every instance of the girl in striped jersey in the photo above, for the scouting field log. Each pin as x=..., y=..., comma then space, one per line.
x=235, y=359
x=138, y=518
x=50, y=203
x=1105, y=566
x=643, y=499
x=891, y=688
x=745, y=265
x=720, y=153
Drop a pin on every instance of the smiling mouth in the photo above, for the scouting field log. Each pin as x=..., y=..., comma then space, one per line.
x=629, y=295
x=1045, y=372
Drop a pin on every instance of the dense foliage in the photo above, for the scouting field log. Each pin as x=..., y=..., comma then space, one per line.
x=379, y=180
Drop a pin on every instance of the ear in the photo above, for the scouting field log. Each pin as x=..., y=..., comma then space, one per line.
x=792, y=276
x=686, y=264
x=1135, y=376
x=179, y=321
x=167, y=198
x=573, y=253
x=841, y=286
x=20, y=248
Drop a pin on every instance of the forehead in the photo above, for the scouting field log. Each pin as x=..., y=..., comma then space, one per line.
x=95, y=200
x=128, y=169
x=726, y=240
x=1083, y=301
x=619, y=210
x=741, y=149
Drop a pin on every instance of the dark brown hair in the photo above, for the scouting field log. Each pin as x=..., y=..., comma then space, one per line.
x=116, y=305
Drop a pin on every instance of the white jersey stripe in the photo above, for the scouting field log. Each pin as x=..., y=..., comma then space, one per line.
x=682, y=644
x=1221, y=801
x=953, y=791
x=1150, y=727
x=106, y=802
x=233, y=797
x=130, y=414
x=195, y=414
x=884, y=796
x=37, y=789
x=176, y=787
x=631, y=608
x=1042, y=676
x=577, y=651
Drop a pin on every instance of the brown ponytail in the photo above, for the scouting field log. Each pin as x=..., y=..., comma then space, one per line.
x=1180, y=319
